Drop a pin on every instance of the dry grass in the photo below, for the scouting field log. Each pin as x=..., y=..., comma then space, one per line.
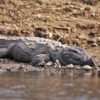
x=68, y=21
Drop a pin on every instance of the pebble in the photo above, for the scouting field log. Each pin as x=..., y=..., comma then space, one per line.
x=22, y=68
x=98, y=38
x=57, y=64
x=98, y=66
x=70, y=66
x=87, y=67
x=90, y=41
x=78, y=67
x=48, y=64
x=93, y=45
x=14, y=70
x=1, y=71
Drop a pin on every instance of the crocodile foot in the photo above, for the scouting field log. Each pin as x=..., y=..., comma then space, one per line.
x=40, y=59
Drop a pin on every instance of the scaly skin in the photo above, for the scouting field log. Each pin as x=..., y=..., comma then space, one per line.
x=37, y=51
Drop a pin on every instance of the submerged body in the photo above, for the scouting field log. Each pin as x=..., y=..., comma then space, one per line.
x=38, y=51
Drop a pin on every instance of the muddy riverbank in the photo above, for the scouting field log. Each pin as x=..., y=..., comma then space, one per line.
x=9, y=65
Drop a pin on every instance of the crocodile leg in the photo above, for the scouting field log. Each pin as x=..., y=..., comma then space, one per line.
x=40, y=59
x=7, y=52
x=40, y=56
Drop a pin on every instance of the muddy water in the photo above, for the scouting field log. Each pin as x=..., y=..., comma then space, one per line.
x=50, y=85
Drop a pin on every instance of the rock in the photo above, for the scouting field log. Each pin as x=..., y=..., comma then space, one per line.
x=70, y=66
x=78, y=67
x=48, y=64
x=91, y=34
x=90, y=41
x=13, y=69
x=22, y=68
x=93, y=45
x=98, y=38
x=98, y=65
x=57, y=64
x=50, y=35
x=98, y=41
x=87, y=67
x=1, y=71
x=82, y=36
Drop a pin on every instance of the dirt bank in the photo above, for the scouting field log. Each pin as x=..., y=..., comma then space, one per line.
x=69, y=21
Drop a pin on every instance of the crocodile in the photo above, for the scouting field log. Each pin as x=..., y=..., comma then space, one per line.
x=37, y=51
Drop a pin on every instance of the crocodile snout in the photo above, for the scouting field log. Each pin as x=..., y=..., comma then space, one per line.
x=91, y=61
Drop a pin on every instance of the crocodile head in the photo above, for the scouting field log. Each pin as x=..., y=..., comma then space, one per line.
x=76, y=56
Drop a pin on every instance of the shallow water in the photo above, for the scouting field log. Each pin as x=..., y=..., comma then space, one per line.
x=50, y=85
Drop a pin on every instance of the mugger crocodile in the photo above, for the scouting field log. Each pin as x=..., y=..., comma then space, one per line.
x=38, y=51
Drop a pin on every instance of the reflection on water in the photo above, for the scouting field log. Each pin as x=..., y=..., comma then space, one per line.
x=50, y=85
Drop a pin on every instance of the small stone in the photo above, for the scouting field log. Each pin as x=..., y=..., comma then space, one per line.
x=50, y=35
x=93, y=14
x=98, y=65
x=57, y=64
x=90, y=41
x=22, y=68
x=1, y=60
x=91, y=34
x=87, y=67
x=1, y=70
x=82, y=36
x=70, y=66
x=98, y=38
x=98, y=42
x=48, y=64
x=14, y=70
x=78, y=67
x=93, y=45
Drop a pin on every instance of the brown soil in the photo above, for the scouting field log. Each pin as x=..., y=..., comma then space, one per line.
x=75, y=22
